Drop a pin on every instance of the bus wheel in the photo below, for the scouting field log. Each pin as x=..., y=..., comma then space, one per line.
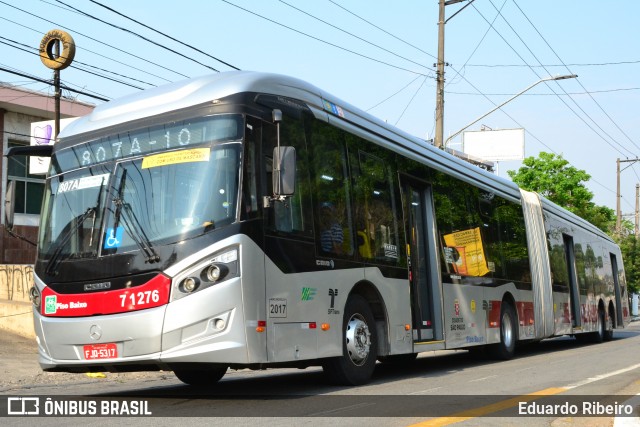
x=359, y=346
x=200, y=377
x=506, y=348
x=608, y=330
x=598, y=336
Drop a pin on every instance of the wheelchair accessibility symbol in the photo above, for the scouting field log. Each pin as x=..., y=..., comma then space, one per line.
x=113, y=238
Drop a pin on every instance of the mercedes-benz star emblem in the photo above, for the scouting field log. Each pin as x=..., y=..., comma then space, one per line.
x=95, y=332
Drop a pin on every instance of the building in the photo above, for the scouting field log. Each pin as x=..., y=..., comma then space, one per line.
x=18, y=109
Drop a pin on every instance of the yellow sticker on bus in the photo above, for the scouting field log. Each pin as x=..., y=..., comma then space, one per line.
x=175, y=157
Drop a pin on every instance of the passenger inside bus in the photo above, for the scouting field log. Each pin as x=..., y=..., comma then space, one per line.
x=331, y=234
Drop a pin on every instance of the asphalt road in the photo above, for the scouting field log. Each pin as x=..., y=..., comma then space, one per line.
x=437, y=386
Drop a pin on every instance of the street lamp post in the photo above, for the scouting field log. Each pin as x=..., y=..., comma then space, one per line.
x=568, y=76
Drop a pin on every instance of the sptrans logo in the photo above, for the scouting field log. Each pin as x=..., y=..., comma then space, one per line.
x=50, y=304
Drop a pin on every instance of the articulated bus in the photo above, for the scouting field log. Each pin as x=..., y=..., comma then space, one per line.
x=251, y=220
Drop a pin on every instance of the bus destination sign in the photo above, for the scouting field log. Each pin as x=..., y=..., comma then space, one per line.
x=148, y=140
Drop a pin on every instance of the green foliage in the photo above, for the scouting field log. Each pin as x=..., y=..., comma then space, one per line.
x=630, y=248
x=553, y=177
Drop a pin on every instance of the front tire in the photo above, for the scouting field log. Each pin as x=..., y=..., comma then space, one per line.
x=200, y=377
x=359, y=346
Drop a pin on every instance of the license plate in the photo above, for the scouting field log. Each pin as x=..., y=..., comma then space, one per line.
x=100, y=351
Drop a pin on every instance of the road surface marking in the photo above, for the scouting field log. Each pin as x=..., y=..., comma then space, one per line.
x=509, y=403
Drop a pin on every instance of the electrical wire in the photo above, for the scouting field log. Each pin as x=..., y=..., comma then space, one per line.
x=549, y=86
x=600, y=64
x=126, y=30
x=580, y=83
x=89, y=37
x=23, y=74
x=383, y=30
x=322, y=41
x=35, y=52
x=391, y=96
x=410, y=101
x=351, y=34
x=549, y=94
x=165, y=35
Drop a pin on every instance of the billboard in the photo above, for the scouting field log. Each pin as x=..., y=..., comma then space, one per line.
x=494, y=145
x=42, y=133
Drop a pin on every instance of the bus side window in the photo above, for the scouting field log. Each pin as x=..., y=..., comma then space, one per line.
x=332, y=199
x=377, y=224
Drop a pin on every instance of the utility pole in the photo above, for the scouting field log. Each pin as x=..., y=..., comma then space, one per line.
x=439, y=136
x=619, y=197
x=618, y=211
x=637, y=230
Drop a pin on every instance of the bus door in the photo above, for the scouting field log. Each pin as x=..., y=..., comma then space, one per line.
x=576, y=316
x=423, y=267
x=616, y=284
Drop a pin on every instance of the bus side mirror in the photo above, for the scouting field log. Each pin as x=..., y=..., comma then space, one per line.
x=9, y=205
x=284, y=171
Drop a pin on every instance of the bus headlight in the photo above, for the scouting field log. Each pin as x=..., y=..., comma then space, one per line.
x=224, y=265
x=190, y=284
x=213, y=273
x=34, y=296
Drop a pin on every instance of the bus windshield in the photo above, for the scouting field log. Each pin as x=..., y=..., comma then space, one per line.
x=171, y=196
x=142, y=202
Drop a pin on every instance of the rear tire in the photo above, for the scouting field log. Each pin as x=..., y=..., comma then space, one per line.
x=506, y=348
x=200, y=377
x=598, y=336
x=608, y=330
x=359, y=346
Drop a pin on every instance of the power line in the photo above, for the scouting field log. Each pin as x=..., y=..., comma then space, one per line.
x=592, y=98
x=351, y=34
x=481, y=40
x=512, y=118
x=549, y=94
x=410, y=101
x=382, y=29
x=599, y=64
x=391, y=96
x=126, y=30
x=32, y=77
x=165, y=35
x=89, y=37
x=562, y=100
x=322, y=41
x=32, y=51
x=562, y=89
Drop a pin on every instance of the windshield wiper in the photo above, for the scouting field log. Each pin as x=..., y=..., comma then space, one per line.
x=132, y=224
x=55, y=256
x=54, y=260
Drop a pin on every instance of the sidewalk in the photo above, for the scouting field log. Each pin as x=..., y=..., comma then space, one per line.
x=19, y=368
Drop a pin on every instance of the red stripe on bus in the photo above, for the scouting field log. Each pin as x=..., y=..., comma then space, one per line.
x=154, y=293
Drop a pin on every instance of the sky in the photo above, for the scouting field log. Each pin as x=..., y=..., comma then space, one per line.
x=379, y=56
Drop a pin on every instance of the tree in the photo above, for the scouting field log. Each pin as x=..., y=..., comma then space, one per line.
x=630, y=247
x=554, y=178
